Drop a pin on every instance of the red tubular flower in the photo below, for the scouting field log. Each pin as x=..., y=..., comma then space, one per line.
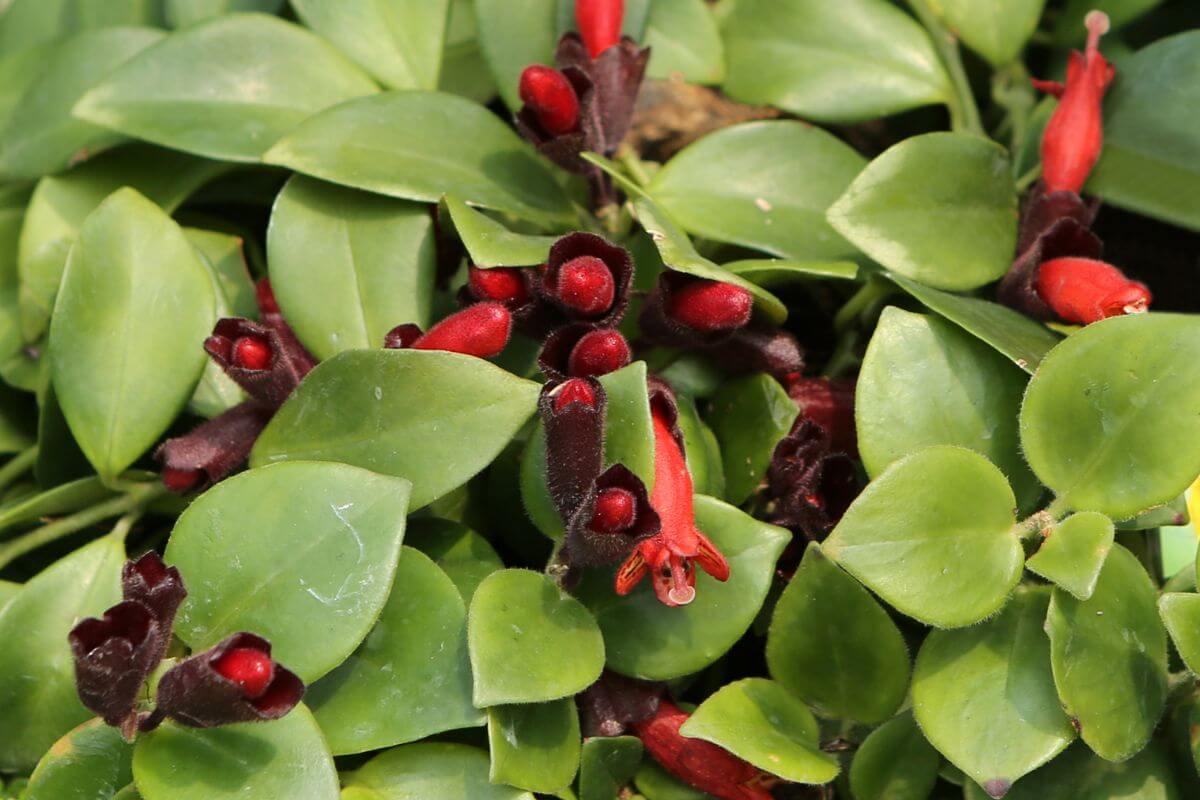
x=1075, y=134
x=501, y=285
x=830, y=404
x=481, y=330
x=599, y=23
x=705, y=306
x=251, y=352
x=1084, y=290
x=551, y=98
x=667, y=556
x=249, y=668
x=698, y=763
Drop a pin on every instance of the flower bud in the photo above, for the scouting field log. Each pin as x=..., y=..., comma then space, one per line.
x=830, y=404
x=551, y=97
x=481, y=330
x=709, y=306
x=181, y=481
x=249, y=668
x=213, y=449
x=265, y=359
x=113, y=657
x=585, y=285
x=159, y=588
x=599, y=23
x=615, y=511
x=573, y=415
x=1085, y=290
x=251, y=352
x=599, y=353
x=811, y=486
x=588, y=279
x=574, y=391
x=500, y=284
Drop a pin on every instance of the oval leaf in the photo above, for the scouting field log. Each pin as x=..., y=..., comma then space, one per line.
x=606, y=766
x=749, y=416
x=894, y=762
x=535, y=746
x=490, y=244
x=465, y=556
x=514, y=35
x=1073, y=552
x=428, y=770
x=91, y=762
x=1079, y=775
x=996, y=29
x=684, y=40
x=1181, y=614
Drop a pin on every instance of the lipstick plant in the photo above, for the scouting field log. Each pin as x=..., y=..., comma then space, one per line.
x=599, y=399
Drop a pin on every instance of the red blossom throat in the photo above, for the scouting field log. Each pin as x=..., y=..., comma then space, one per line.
x=710, y=306
x=599, y=23
x=598, y=353
x=481, y=330
x=586, y=285
x=1084, y=290
x=250, y=669
x=551, y=97
x=502, y=284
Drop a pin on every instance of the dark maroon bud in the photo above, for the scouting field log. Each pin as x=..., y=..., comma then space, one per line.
x=573, y=415
x=599, y=353
x=402, y=337
x=501, y=284
x=213, y=449
x=811, y=486
x=710, y=306
x=269, y=373
x=610, y=705
x=113, y=657
x=235, y=681
x=159, y=588
x=614, y=516
x=588, y=277
x=830, y=404
x=613, y=78
x=751, y=349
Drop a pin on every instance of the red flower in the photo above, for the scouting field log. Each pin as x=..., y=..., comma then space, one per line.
x=481, y=330
x=1075, y=134
x=599, y=23
x=1084, y=290
x=710, y=306
x=551, y=98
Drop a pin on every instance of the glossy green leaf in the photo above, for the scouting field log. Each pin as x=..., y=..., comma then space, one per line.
x=894, y=762
x=529, y=641
x=18, y=69
x=984, y=695
x=1010, y=333
x=490, y=244
x=1106, y=409
x=749, y=416
x=775, y=272
x=684, y=40
x=701, y=449
x=61, y=203
x=91, y=762
x=645, y=639
x=13, y=358
x=27, y=23
x=655, y=783
x=833, y=646
x=228, y=88
x=1073, y=553
x=409, y=145
x=938, y=208
x=934, y=536
x=996, y=29
x=41, y=135
x=1151, y=159
x=399, y=42
x=182, y=13
x=435, y=418
x=347, y=267
x=759, y=721
x=59, y=459
x=430, y=770
x=1109, y=655
x=222, y=255
x=284, y=758
x=130, y=792
x=1079, y=775
x=606, y=766
x=135, y=300
x=8, y=590
x=831, y=62
x=465, y=556
x=1181, y=614
x=34, y=627
x=314, y=575
x=411, y=677
x=464, y=71
x=764, y=185
x=535, y=746
x=924, y=382
x=514, y=35
x=63, y=499
x=18, y=418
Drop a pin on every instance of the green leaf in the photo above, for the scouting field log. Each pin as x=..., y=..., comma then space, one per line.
x=284, y=758
x=347, y=267
x=8, y=590
x=182, y=13
x=894, y=762
x=1073, y=553
x=27, y=23
x=435, y=418
x=91, y=762
x=409, y=145
x=135, y=301
x=1181, y=614
x=775, y=272
x=19, y=69
x=938, y=208
x=61, y=203
x=764, y=185
x=42, y=136
x=831, y=62
x=514, y=35
x=833, y=646
x=1010, y=333
x=934, y=536
x=996, y=29
x=1079, y=775
x=228, y=88
x=924, y=382
x=757, y=720
x=536, y=746
x=749, y=416
x=464, y=71
x=34, y=627
x=62, y=499
x=222, y=256
x=1109, y=655
x=684, y=40
x=700, y=448
x=490, y=244
x=529, y=641
x=314, y=576
x=1101, y=423
x=1151, y=159
x=413, y=664
x=984, y=695
x=645, y=639
x=398, y=42
x=655, y=783
x=465, y=556
x=430, y=770
x=606, y=766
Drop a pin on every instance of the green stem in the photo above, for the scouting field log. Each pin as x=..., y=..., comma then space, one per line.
x=1029, y=178
x=128, y=505
x=964, y=113
x=17, y=466
x=874, y=290
x=634, y=166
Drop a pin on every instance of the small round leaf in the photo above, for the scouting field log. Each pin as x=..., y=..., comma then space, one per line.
x=895, y=762
x=1073, y=553
x=534, y=746
x=91, y=762
x=429, y=770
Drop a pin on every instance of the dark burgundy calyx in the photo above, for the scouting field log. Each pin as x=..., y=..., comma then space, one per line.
x=113, y=657
x=573, y=414
x=549, y=94
x=507, y=285
x=272, y=382
x=402, y=337
x=158, y=587
x=612, y=518
x=810, y=484
x=214, y=449
x=830, y=404
x=614, y=702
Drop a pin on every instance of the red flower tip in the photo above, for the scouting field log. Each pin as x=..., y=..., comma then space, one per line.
x=181, y=481
x=598, y=353
x=599, y=23
x=586, y=285
x=1084, y=290
x=502, y=285
x=1075, y=134
x=481, y=330
x=265, y=297
x=710, y=306
x=250, y=669
x=250, y=352
x=615, y=510
x=575, y=390
x=551, y=97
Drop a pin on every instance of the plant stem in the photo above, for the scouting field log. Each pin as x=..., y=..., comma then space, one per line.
x=964, y=113
x=1028, y=179
x=129, y=505
x=17, y=466
x=871, y=292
